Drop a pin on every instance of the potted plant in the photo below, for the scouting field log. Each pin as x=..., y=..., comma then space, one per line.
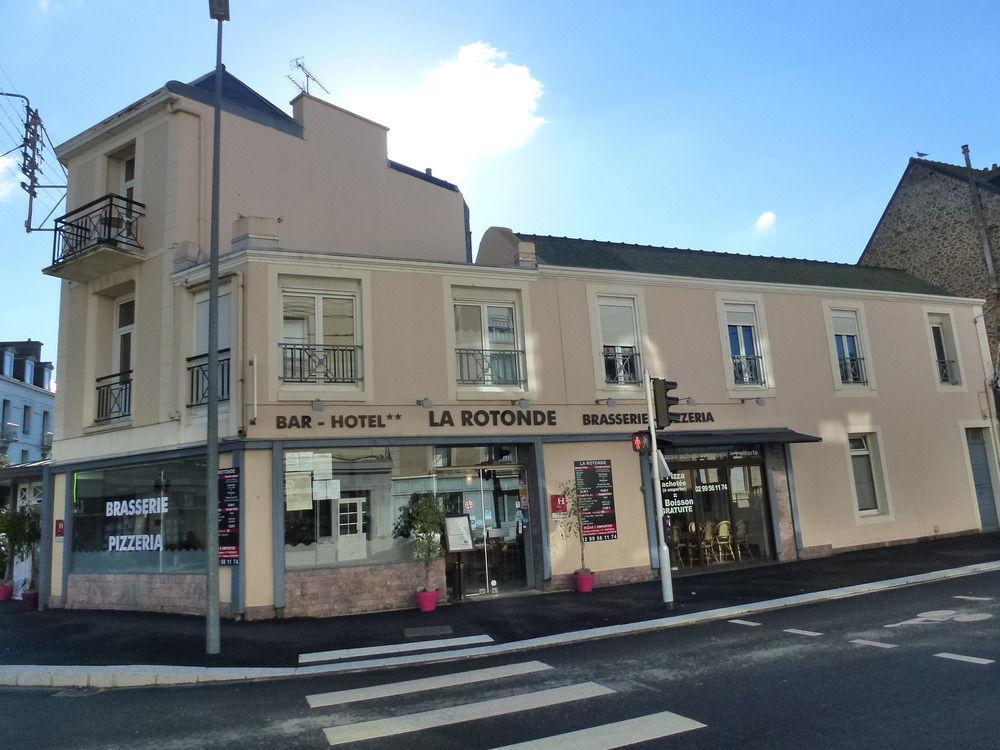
x=422, y=522
x=5, y=589
x=19, y=533
x=570, y=525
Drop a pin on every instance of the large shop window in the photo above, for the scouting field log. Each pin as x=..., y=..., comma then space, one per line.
x=341, y=504
x=716, y=501
x=145, y=518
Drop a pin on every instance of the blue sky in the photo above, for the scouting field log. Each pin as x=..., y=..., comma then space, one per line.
x=669, y=123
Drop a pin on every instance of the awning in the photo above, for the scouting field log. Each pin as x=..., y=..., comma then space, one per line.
x=699, y=438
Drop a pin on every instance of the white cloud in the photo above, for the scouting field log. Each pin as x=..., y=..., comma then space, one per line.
x=765, y=221
x=473, y=106
x=10, y=178
x=43, y=5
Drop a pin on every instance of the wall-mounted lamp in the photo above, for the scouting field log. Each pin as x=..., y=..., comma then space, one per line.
x=317, y=405
x=425, y=402
x=759, y=401
x=521, y=403
x=608, y=401
x=690, y=401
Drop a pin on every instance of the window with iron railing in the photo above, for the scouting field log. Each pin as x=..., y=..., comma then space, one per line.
x=944, y=349
x=847, y=342
x=114, y=396
x=320, y=339
x=198, y=378
x=619, y=341
x=487, y=350
x=112, y=220
x=741, y=327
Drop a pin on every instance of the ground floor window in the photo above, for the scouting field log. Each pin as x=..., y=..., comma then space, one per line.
x=341, y=504
x=143, y=518
x=868, y=486
x=716, y=509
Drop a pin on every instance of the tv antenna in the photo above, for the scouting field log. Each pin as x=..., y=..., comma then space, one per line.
x=298, y=64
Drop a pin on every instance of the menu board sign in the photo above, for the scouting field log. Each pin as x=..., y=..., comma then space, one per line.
x=595, y=491
x=458, y=533
x=229, y=516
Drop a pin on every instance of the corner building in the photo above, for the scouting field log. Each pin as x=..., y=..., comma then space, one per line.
x=365, y=357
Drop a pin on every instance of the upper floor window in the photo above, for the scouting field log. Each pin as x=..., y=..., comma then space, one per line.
x=744, y=344
x=847, y=342
x=29, y=371
x=487, y=345
x=26, y=420
x=320, y=339
x=8, y=362
x=197, y=364
x=619, y=340
x=945, y=355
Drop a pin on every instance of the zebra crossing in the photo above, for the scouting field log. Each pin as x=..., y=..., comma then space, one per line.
x=506, y=690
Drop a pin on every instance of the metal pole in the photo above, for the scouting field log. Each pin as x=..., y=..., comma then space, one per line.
x=666, y=582
x=212, y=645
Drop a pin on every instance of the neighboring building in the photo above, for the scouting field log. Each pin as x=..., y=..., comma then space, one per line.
x=365, y=358
x=929, y=228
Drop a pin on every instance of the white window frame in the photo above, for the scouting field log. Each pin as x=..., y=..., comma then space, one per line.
x=516, y=346
x=596, y=295
x=942, y=317
x=8, y=363
x=876, y=459
x=200, y=297
x=743, y=390
x=26, y=414
x=121, y=330
x=319, y=282
x=317, y=335
x=830, y=309
x=460, y=289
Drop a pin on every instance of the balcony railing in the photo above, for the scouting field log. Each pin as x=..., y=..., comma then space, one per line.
x=852, y=371
x=198, y=378
x=111, y=220
x=114, y=396
x=490, y=367
x=621, y=365
x=748, y=370
x=308, y=363
x=947, y=371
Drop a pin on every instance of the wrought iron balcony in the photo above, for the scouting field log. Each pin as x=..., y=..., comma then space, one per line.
x=309, y=363
x=852, y=371
x=947, y=371
x=621, y=365
x=103, y=235
x=490, y=367
x=748, y=370
x=114, y=396
x=198, y=378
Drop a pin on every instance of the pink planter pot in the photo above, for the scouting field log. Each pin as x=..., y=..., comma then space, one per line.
x=427, y=600
x=584, y=582
x=6, y=590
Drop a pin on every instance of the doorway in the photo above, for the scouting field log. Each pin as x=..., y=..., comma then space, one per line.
x=980, y=465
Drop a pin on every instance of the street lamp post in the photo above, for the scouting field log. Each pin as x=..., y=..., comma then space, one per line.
x=219, y=11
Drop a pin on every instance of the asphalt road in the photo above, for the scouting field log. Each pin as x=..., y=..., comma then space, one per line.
x=862, y=672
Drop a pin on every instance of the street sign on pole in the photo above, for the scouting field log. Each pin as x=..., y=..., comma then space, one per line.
x=666, y=582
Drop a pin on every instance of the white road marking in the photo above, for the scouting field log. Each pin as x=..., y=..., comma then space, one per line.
x=512, y=704
x=969, y=659
x=796, y=631
x=876, y=644
x=751, y=623
x=392, y=648
x=618, y=734
x=428, y=683
x=974, y=598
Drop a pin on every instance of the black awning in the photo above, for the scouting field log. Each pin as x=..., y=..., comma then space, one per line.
x=699, y=438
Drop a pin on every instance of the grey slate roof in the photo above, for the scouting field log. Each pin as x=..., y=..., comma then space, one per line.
x=238, y=99
x=704, y=264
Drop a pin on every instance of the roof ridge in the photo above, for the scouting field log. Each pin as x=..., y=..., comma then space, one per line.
x=695, y=250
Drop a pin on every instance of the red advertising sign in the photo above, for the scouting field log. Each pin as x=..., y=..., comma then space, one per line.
x=558, y=504
x=60, y=528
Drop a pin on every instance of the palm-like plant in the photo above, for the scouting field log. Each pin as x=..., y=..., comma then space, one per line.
x=422, y=521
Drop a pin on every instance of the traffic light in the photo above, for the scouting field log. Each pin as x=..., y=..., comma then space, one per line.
x=662, y=401
x=641, y=442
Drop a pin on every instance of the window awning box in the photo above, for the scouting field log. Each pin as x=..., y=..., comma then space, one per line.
x=699, y=438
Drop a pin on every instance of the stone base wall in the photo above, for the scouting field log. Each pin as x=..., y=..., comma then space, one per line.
x=616, y=577
x=331, y=592
x=143, y=592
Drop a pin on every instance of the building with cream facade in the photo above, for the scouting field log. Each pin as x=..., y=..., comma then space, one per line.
x=365, y=358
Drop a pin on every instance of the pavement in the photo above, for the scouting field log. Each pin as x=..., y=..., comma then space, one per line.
x=76, y=648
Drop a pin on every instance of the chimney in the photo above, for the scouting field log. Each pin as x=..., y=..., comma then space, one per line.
x=428, y=172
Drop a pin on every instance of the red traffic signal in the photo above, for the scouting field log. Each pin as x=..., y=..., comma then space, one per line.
x=641, y=442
